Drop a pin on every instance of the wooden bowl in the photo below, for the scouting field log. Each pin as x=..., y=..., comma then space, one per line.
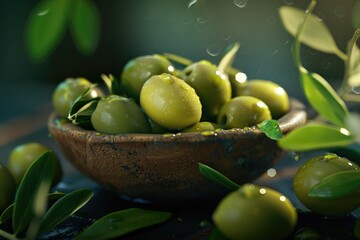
x=164, y=168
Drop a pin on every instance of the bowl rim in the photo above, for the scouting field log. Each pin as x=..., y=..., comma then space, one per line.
x=295, y=117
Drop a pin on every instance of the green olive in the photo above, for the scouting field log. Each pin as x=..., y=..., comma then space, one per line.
x=269, y=92
x=315, y=169
x=211, y=85
x=116, y=114
x=67, y=91
x=140, y=69
x=202, y=127
x=7, y=187
x=244, y=111
x=255, y=212
x=170, y=102
x=22, y=156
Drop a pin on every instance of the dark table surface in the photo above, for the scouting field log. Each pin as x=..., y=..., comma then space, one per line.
x=28, y=123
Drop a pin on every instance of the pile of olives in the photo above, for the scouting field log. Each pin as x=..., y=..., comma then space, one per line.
x=20, y=159
x=152, y=96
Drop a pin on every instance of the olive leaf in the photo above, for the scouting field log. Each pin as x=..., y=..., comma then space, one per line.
x=228, y=58
x=315, y=35
x=271, y=129
x=216, y=177
x=318, y=91
x=315, y=137
x=82, y=109
x=46, y=27
x=323, y=97
x=178, y=59
x=7, y=213
x=40, y=171
x=337, y=185
x=85, y=25
x=119, y=223
x=353, y=63
x=64, y=208
x=112, y=84
x=39, y=208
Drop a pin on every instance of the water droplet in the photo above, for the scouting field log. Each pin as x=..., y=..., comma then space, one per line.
x=288, y=2
x=340, y=11
x=171, y=69
x=43, y=12
x=213, y=50
x=271, y=172
x=282, y=198
x=208, y=133
x=169, y=135
x=345, y=131
x=356, y=89
x=201, y=20
x=240, y=3
x=295, y=155
x=191, y=2
x=241, y=77
x=262, y=191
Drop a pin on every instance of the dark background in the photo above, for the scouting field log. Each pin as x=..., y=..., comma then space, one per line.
x=133, y=28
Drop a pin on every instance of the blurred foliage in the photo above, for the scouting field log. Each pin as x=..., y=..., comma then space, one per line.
x=49, y=20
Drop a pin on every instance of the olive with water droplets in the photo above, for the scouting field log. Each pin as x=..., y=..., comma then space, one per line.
x=211, y=85
x=269, y=92
x=117, y=114
x=170, y=102
x=244, y=111
x=254, y=212
x=140, y=69
x=312, y=172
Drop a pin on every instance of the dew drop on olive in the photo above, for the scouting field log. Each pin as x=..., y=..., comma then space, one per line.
x=140, y=69
x=170, y=102
x=244, y=111
x=211, y=85
x=117, y=114
x=269, y=92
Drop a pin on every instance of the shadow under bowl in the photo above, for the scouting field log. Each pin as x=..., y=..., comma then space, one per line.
x=165, y=168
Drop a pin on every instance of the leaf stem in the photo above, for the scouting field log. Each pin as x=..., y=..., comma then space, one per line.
x=342, y=55
x=297, y=43
x=345, y=83
x=7, y=235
